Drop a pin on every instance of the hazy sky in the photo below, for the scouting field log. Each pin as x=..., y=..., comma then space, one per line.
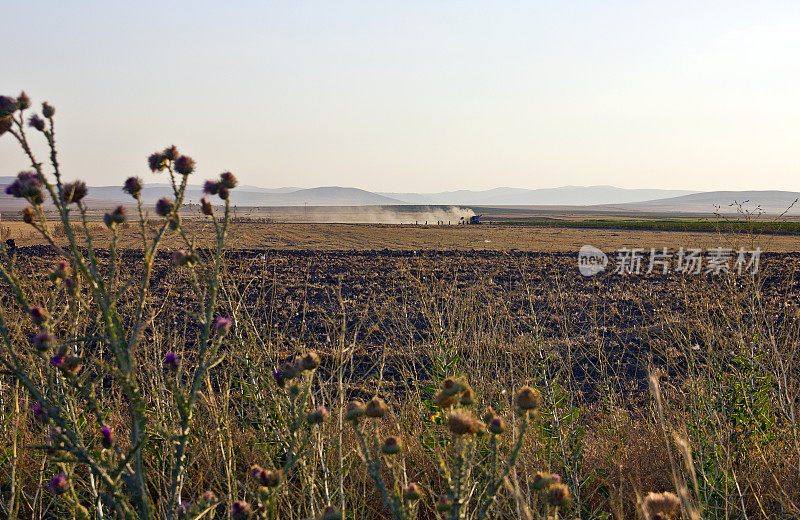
x=418, y=96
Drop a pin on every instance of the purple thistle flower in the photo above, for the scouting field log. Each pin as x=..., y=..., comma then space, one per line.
x=171, y=361
x=39, y=413
x=59, y=484
x=38, y=314
x=156, y=162
x=115, y=217
x=224, y=193
x=171, y=153
x=184, y=165
x=222, y=325
x=57, y=360
x=240, y=510
x=43, y=341
x=280, y=378
x=107, y=435
x=8, y=106
x=27, y=185
x=228, y=180
x=208, y=498
x=74, y=192
x=211, y=187
x=164, y=207
x=132, y=186
x=23, y=101
x=35, y=121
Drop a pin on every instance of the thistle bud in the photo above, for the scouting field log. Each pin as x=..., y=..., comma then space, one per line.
x=47, y=110
x=184, y=165
x=354, y=410
x=450, y=386
x=228, y=180
x=467, y=395
x=444, y=504
x=8, y=106
x=38, y=315
x=661, y=505
x=74, y=192
x=39, y=413
x=114, y=218
x=28, y=215
x=222, y=325
x=529, y=399
x=27, y=185
x=558, y=494
x=59, y=484
x=309, y=361
x=271, y=478
x=157, y=162
x=107, y=438
x=289, y=370
x=5, y=124
x=541, y=480
x=23, y=101
x=318, y=416
x=240, y=510
x=497, y=425
x=390, y=446
x=444, y=400
x=376, y=408
x=207, y=499
x=171, y=362
x=206, y=208
x=36, y=122
x=72, y=365
x=181, y=257
x=330, y=513
x=133, y=186
x=59, y=271
x=164, y=206
x=463, y=423
x=57, y=360
x=43, y=341
x=412, y=492
x=224, y=193
x=211, y=187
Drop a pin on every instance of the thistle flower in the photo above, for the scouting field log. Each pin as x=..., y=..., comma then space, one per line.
x=450, y=386
x=211, y=187
x=170, y=153
x=288, y=370
x=463, y=423
x=59, y=484
x=376, y=408
x=27, y=185
x=541, y=480
x=467, y=395
x=266, y=477
x=444, y=400
x=181, y=257
x=330, y=513
x=72, y=365
x=497, y=425
x=529, y=399
x=240, y=510
x=43, y=341
x=59, y=271
x=558, y=494
x=164, y=206
x=23, y=101
x=8, y=106
x=171, y=362
x=228, y=180
x=28, y=215
x=184, y=165
x=280, y=378
x=38, y=315
x=47, y=110
x=222, y=325
x=444, y=504
x=114, y=218
x=206, y=208
x=391, y=446
x=5, y=124
x=412, y=492
x=74, y=192
x=207, y=499
x=107, y=438
x=133, y=186
x=661, y=504
x=224, y=194
x=35, y=121
x=57, y=360
x=39, y=413
x=157, y=162
x=354, y=410
x=318, y=416
x=309, y=361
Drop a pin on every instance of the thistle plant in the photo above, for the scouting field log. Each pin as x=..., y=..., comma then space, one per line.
x=75, y=363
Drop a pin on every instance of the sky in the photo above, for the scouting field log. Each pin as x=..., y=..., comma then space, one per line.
x=418, y=96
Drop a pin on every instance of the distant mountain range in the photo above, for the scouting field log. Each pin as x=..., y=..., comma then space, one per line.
x=649, y=200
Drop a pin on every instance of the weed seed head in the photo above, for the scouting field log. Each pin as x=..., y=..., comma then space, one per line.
x=72, y=365
x=181, y=257
x=59, y=271
x=541, y=480
x=376, y=408
x=57, y=360
x=59, y=484
x=184, y=165
x=207, y=499
x=133, y=186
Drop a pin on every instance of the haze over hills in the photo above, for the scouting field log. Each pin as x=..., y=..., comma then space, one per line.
x=646, y=200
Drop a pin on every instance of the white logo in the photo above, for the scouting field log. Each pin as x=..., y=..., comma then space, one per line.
x=591, y=260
